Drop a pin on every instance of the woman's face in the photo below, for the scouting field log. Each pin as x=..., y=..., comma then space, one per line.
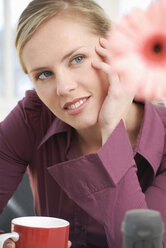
x=58, y=60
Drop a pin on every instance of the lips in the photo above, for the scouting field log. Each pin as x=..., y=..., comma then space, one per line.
x=76, y=103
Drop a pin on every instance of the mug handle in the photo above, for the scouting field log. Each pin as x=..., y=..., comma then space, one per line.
x=5, y=236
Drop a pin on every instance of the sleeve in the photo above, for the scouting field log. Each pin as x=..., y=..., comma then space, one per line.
x=17, y=139
x=106, y=185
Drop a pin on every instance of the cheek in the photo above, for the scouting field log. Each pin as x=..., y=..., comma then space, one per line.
x=104, y=84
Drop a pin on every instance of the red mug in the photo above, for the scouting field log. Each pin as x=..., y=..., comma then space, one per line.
x=38, y=232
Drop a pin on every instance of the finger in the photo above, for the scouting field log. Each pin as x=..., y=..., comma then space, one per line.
x=103, y=42
x=101, y=52
x=9, y=244
x=101, y=66
x=69, y=244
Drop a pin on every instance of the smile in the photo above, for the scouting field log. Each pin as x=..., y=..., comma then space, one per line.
x=77, y=104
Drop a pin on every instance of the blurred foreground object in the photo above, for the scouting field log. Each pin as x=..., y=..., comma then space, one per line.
x=137, y=45
x=142, y=228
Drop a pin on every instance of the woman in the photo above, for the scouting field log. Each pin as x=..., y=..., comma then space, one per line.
x=92, y=152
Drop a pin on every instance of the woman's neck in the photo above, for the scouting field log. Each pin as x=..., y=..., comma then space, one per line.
x=133, y=121
x=89, y=140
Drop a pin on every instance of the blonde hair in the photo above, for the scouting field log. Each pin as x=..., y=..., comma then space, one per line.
x=39, y=11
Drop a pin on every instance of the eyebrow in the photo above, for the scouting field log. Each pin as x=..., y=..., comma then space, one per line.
x=71, y=52
x=63, y=58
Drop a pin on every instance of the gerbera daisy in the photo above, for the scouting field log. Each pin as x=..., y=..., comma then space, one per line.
x=137, y=45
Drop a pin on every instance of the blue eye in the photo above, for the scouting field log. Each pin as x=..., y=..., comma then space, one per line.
x=77, y=59
x=44, y=74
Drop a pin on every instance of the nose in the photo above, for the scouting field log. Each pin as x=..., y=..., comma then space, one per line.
x=65, y=83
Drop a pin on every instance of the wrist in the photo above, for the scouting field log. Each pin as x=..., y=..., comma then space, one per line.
x=106, y=132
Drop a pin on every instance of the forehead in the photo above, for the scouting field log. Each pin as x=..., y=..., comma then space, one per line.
x=63, y=26
x=58, y=34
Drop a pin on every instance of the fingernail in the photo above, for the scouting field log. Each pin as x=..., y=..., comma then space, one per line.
x=10, y=245
x=103, y=41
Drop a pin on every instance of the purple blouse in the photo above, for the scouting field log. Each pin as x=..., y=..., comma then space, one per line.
x=94, y=191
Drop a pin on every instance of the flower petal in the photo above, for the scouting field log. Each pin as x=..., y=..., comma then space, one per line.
x=138, y=48
x=156, y=14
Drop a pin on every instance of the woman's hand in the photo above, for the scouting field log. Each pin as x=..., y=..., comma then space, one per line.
x=118, y=100
x=10, y=244
x=69, y=244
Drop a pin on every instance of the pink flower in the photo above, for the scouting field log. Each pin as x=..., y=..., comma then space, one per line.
x=137, y=46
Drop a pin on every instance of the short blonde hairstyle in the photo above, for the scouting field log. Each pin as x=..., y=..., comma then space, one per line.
x=39, y=11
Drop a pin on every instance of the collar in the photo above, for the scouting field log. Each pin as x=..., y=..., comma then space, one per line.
x=56, y=127
x=150, y=141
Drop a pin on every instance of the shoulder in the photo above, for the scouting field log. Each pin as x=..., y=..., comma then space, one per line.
x=31, y=101
x=33, y=109
x=30, y=113
x=25, y=125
